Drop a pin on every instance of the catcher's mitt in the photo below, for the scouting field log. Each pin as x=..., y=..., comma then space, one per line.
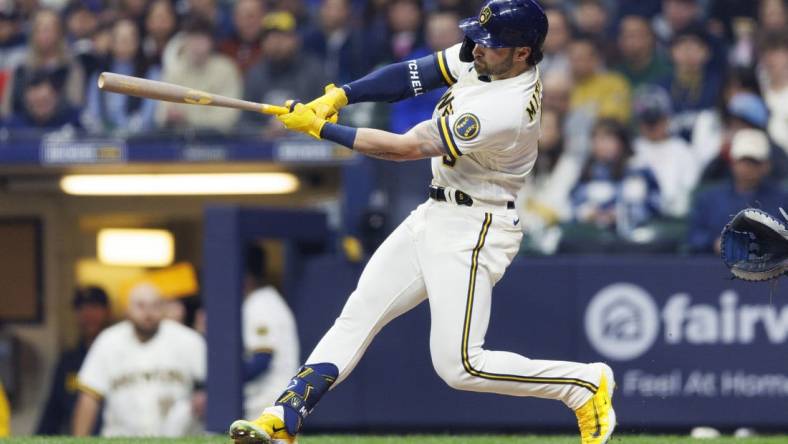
x=755, y=245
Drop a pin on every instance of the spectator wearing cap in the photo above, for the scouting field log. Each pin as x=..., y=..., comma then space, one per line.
x=92, y=312
x=335, y=41
x=711, y=132
x=197, y=66
x=284, y=72
x=750, y=186
x=669, y=158
x=556, y=44
x=606, y=94
x=244, y=45
x=44, y=108
x=774, y=63
x=47, y=52
x=744, y=111
x=694, y=84
x=119, y=113
x=639, y=60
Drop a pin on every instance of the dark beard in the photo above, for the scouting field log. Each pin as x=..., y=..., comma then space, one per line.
x=145, y=335
x=501, y=68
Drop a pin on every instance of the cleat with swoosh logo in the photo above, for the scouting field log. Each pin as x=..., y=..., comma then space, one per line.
x=267, y=429
x=596, y=418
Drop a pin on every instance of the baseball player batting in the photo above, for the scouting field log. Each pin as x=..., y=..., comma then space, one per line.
x=453, y=248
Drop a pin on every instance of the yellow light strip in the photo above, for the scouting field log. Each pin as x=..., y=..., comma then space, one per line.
x=178, y=184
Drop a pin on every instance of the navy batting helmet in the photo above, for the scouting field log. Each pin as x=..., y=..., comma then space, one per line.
x=508, y=24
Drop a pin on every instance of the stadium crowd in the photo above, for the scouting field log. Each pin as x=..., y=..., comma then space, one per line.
x=660, y=118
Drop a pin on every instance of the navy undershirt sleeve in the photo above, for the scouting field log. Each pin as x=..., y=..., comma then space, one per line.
x=396, y=82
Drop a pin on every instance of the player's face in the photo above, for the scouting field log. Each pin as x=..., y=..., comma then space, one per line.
x=146, y=310
x=492, y=61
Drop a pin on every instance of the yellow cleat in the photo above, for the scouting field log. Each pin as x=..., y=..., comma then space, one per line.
x=267, y=429
x=596, y=417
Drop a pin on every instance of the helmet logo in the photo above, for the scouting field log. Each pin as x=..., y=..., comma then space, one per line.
x=485, y=15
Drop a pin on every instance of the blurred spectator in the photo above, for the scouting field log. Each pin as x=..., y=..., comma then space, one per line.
x=145, y=369
x=160, y=25
x=557, y=89
x=244, y=46
x=694, y=84
x=405, y=28
x=442, y=32
x=591, y=17
x=81, y=26
x=81, y=23
x=335, y=41
x=742, y=50
x=676, y=15
x=556, y=43
x=270, y=337
x=44, y=107
x=607, y=94
x=774, y=82
x=640, y=62
x=773, y=15
x=47, y=52
x=283, y=73
x=744, y=110
x=611, y=195
x=210, y=11
x=120, y=113
x=198, y=66
x=544, y=200
x=711, y=134
x=134, y=10
x=12, y=40
x=749, y=187
x=92, y=311
x=670, y=159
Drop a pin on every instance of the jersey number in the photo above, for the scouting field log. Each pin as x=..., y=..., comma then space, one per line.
x=448, y=161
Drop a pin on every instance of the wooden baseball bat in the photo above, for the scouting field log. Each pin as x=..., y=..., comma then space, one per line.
x=169, y=92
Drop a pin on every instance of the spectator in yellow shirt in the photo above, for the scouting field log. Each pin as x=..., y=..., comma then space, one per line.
x=606, y=93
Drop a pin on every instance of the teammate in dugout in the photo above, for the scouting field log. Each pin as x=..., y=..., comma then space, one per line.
x=453, y=248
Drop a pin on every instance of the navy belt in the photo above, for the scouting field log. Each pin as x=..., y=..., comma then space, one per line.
x=460, y=198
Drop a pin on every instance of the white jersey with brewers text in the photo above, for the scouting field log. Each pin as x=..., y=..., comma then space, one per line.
x=146, y=386
x=269, y=326
x=490, y=130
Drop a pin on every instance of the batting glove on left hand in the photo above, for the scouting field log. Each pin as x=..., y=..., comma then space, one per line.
x=328, y=105
x=304, y=120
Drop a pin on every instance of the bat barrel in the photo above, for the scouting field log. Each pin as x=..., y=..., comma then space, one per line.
x=153, y=89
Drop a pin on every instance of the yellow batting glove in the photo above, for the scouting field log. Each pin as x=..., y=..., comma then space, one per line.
x=328, y=105
x=304, y=120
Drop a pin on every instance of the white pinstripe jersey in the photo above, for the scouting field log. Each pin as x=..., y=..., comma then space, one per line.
x=490, y=130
